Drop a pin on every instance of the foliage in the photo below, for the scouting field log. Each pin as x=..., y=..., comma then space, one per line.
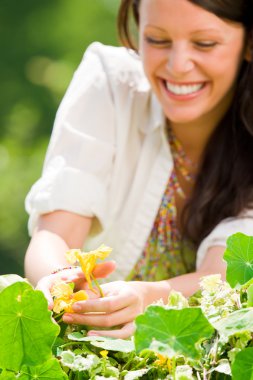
x=172, y=332
x=208, y=336
x=42, y=42
x=239, y=255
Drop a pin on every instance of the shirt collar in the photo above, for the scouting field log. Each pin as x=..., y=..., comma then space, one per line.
x=154, y=117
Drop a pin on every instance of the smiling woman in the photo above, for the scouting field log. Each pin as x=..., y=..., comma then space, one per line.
x=151, y=153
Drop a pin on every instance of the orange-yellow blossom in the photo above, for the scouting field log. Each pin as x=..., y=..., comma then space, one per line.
x=88, y=260
x=64, y=297
x=104, y=353
x=163, y=361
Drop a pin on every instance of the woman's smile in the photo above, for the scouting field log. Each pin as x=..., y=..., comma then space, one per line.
x=183, y=91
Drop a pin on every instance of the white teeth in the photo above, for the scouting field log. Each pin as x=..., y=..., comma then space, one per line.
x=183, y=89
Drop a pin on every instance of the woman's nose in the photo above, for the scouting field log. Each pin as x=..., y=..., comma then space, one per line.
x=179, y=61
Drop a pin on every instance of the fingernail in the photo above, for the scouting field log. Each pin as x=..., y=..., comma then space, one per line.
x=68, y=318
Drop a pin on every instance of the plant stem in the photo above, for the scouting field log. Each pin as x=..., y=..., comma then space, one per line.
x=58, y=317
x=77, y=344
x=125, y=366
x=97, y=285
x=173, y=369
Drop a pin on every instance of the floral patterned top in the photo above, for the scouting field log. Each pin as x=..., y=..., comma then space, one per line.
x=165, y=254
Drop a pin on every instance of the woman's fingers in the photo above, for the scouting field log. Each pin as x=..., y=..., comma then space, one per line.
x=72, y=275
x=123, y=301
x=69, y=275
x=121, y=304
x=116, y=318
x=107, y=304
x=125, y=332
x=104, y=269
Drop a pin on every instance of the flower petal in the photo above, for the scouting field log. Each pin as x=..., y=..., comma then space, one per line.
x=60, y=305
x=102, y=251
x=72, y=255
x=80, y=296
x=61, y=289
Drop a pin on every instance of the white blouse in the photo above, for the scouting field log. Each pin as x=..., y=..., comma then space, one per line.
x=109, y=159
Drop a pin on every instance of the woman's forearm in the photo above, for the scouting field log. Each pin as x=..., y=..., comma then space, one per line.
x=56, y=233
x=188, y=283
x=45, y=254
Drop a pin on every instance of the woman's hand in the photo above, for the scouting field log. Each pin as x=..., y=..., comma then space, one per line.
x=123, y=301
x=72, y=275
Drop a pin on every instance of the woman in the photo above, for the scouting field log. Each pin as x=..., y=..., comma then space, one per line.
x=151, y=154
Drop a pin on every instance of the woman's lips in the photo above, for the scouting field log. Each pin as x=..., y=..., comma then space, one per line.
x=183, y=91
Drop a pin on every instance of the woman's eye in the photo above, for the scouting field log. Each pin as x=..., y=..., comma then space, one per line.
x=205, y=44
x=157, y=42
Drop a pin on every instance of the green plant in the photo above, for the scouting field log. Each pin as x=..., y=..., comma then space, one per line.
x=208, y=336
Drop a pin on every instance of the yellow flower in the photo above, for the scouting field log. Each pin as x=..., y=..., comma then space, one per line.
x=104, y=353
x=88, y=260
x=161, y=361
x=64, y=297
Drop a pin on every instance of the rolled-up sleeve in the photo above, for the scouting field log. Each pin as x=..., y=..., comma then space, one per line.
x=220, y=234
x=78, y=164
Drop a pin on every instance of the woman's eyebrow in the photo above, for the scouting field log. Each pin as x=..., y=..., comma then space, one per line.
x=206, y=30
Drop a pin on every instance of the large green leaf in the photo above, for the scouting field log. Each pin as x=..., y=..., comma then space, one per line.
x=47, y=371
x=242, y=368
x=6, y=375
x=172, y=332
x=239, y=258
x=236, y=322
x=106, y=343
x=27, y=331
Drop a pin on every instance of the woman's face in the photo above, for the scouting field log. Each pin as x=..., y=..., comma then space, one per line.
x=191, y=58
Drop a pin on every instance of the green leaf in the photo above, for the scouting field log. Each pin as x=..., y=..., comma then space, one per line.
x=183, y=372
x=172, y=332
x=6, y=375
x=177, y=300
x=78, y=362
x=239, y=258
x=106, y=343
x=28, y=331
x=222, y=367
x=47, y=371
x=9, y=279
x=242, y=368
x=238, y=321
x=132, y=375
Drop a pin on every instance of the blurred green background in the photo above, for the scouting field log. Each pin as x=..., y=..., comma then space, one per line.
x=41, y=44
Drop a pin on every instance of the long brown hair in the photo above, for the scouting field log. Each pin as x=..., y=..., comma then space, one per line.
x=224, y=185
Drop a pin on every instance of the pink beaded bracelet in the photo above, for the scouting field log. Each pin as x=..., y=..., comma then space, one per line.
x=61, y=269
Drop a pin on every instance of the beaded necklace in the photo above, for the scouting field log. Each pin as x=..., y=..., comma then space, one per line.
x=162, y=256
